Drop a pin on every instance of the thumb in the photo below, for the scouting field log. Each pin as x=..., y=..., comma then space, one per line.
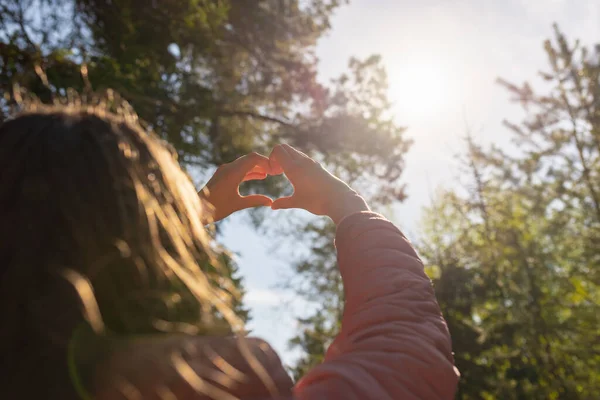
x=285, y=202
x=255, y=200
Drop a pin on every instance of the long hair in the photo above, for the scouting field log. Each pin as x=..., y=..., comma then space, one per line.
x=98, y=225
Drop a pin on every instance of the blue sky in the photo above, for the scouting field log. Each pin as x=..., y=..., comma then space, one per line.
x=442, y=59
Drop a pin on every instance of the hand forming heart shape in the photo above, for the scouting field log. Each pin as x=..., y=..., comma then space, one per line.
x=315, y=189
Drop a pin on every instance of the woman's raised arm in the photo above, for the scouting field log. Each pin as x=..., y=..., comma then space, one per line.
x=394, y=343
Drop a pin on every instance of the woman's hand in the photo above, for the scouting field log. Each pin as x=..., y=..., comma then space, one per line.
x=222, y=193
x=315, y=189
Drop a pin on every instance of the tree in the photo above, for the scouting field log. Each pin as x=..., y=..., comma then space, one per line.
x=515, y=254
x=217, y=79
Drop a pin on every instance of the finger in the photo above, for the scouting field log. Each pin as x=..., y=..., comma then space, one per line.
x=246, y=163
x=259, y=169
x=296, y=154
x=275, y=166
x=282, y=158
x=284, y=203
x=252, y=176
x=254, y=200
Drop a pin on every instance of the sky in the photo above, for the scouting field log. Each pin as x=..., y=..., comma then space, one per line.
x=442, y=58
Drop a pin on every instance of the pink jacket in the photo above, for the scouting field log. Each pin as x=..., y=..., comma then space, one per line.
x=394, y=343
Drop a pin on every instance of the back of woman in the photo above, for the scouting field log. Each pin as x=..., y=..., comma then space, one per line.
x=100, y=229
x=109, y=288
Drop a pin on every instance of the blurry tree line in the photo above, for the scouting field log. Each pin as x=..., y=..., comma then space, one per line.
x=514, y=253
x=216, y=78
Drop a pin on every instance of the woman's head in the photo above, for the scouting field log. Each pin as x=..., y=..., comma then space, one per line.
x=97, y=223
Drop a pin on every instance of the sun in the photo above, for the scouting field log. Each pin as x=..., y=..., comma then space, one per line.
x=419, y=90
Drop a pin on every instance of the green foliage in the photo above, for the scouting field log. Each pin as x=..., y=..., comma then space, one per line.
x=217, y=79
x=514, y=255
x=517, y=250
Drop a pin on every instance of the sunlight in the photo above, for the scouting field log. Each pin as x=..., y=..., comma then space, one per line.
x=420, y=89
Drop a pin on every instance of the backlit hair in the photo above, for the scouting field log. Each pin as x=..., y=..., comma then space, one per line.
x=98, y=223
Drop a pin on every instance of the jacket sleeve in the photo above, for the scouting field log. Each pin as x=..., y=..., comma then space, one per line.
x=394, y=343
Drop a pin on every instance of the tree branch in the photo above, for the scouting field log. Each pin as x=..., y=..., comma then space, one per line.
x=255, y=115
x=21, y=23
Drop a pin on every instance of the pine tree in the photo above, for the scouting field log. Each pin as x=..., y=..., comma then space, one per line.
x=522, y=238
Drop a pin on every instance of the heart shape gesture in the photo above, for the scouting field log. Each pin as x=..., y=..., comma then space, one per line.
x=222, y=194
x=315, y=189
